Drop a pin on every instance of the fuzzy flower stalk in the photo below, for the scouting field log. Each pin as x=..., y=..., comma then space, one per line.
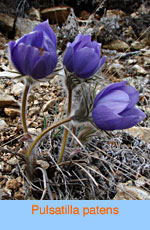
x=34, y=56
x=38, y=138
x=114, y=107
x=81, y=60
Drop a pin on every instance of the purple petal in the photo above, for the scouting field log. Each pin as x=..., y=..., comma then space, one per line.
x=105, y=119
x=45, y=27
x=88, y=74
x=107, y=89
x=124, y=122
x=77, y=39
x=44, y=66
x=18, y=58
x=68, y=59
x=95, y=45
x=31, y=63
x=23, y=58
x=68, y=44
x=48, y=45
x=134, y=112
x=37, y=39
x=33, y=39
x=131, y=118
x=11, y=45
x=83, y=42
x=102, y=61
x=32, y=56
x=85, y=61
x=92, y=72
x=116, y=100
x=133, y=95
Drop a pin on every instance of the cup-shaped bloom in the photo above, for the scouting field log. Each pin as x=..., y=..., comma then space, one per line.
x=82, y=56
x=35, y=54
x=114, y=107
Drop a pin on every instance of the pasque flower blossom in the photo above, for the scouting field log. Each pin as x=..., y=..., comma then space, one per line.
x=35, y=54
x=114, y=107
x=82, y=56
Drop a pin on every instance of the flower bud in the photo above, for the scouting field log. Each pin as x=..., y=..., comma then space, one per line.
x=82, y=56
x=35, y=54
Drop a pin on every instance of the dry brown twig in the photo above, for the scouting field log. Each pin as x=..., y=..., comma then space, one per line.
x=46, y=184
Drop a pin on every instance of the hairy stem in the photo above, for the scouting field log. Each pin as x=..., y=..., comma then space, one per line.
x=43, y=133
x=23, y=106
x=66, y=131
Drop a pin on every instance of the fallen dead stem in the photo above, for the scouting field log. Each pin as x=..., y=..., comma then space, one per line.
x=78, y=178
x=81, y=180
x=71, y=182
x=29, y=182
x=71, y=161
x=90, y=176
x=46, y=184
x=77, y=140
x=14, y=139
x=59, y=169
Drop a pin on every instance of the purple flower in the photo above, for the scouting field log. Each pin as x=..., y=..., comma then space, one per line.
x=114, y=107
x=82, y=56
x=35, y=54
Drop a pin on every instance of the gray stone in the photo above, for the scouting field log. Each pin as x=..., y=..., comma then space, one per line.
x=7, y=100
x=34, y=14
x=56, y=14
x=6, y=23
x=116, y=66
x=49, y=104
x=147, y=53
x=2, y=124
x=117, y=45
x=25, y=26
x=43, y=164
x=136, y=45
x=9, y=74
x=11, y=112
x=17, y=89
x=2, y=41
x=12, y=161
x=140, y=132
x=132, y=61
x=140, y=69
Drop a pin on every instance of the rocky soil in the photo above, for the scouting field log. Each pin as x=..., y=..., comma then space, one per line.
x=114, y=165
